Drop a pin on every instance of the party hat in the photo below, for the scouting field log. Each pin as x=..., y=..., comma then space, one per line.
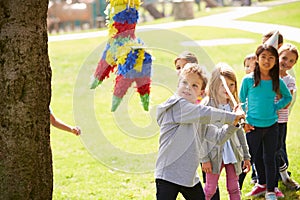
x=273, y=40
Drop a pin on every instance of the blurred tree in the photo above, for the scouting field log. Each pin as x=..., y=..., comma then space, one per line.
x=150, y=6
x=25, y=88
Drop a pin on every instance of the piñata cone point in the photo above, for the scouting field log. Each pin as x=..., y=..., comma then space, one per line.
x=145, y=101
x=95, y=83
x=115, y=103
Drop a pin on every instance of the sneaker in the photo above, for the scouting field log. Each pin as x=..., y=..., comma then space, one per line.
x=253, y=181
x=257, y=190
x=271, y=196
x=291, y=184
x=278, y=193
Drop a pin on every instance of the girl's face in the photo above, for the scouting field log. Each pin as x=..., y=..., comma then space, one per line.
x=180, y=63
x=222, y=94
x=287, y=60
x=266, y=61
x=190, y=87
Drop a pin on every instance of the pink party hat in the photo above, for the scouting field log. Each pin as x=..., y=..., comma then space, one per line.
x=273, y=40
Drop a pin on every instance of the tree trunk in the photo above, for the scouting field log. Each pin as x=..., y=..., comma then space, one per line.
x=153, y=11
x=25, y=88
x=211, y=3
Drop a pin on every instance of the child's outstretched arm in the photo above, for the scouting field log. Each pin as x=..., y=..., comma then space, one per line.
x=61, y=125
x=185, y=112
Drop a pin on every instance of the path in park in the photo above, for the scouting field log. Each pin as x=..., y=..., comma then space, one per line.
x=223, y=20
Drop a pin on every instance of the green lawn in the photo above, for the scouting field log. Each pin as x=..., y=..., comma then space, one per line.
x=113, y=159
x=288, y=14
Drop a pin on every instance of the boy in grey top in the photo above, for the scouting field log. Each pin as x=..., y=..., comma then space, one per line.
x=184, y=126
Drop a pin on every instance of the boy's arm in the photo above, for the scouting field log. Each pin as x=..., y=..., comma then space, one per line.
x=217, y=135
x=185, y=112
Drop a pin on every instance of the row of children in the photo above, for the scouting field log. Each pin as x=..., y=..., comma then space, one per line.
x=209, y=132
x=288, y=56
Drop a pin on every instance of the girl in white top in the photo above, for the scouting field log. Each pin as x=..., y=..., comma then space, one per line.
x=288, y=56
x=231, y=154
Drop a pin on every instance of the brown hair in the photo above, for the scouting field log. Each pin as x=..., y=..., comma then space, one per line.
x=288, y=47
x=195, y=69
x=268, y=35
x=249, y=56
x=188, y=56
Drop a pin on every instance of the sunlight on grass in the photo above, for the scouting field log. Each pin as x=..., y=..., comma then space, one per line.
x=115, y=156
x=291, y=18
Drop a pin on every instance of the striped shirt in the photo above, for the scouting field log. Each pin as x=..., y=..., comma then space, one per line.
x=283, y=114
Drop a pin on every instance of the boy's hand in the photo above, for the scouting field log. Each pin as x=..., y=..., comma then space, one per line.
x=206, y=167
x=240, y=115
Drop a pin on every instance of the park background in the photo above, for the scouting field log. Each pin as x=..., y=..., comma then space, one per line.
x=80, y=174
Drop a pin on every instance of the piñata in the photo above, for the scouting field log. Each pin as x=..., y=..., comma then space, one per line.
x=125, y=52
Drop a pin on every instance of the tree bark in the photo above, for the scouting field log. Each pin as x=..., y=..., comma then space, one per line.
x=25, y=92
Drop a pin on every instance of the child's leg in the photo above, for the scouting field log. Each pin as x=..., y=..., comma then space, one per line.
x=270, y=144
x=211, y=184
x=282, y=139
x=193, y=193
x=254, y=140
x=217, y=194
x=232, y=182
x=166, y=190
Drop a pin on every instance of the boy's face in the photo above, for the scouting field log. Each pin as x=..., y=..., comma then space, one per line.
x=250, y=64
x=287, y=60
x=190, y=87
x=180, y=63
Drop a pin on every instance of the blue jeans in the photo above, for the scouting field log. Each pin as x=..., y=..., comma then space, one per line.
x=263, y=145
x=166, y=190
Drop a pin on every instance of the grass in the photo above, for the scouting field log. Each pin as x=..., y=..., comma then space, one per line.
x=280, y=17
x=101, y=164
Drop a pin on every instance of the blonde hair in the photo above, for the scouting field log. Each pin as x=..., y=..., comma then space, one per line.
x=288, y=47
x=222, y=69
x=194, y=68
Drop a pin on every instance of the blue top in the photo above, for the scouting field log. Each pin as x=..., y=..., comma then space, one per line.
x=228, y=154
x=261, y=107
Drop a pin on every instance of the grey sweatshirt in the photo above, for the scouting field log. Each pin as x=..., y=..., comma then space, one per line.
x=183, y=128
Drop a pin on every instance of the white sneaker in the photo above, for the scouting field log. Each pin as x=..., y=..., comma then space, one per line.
x=270, y=196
